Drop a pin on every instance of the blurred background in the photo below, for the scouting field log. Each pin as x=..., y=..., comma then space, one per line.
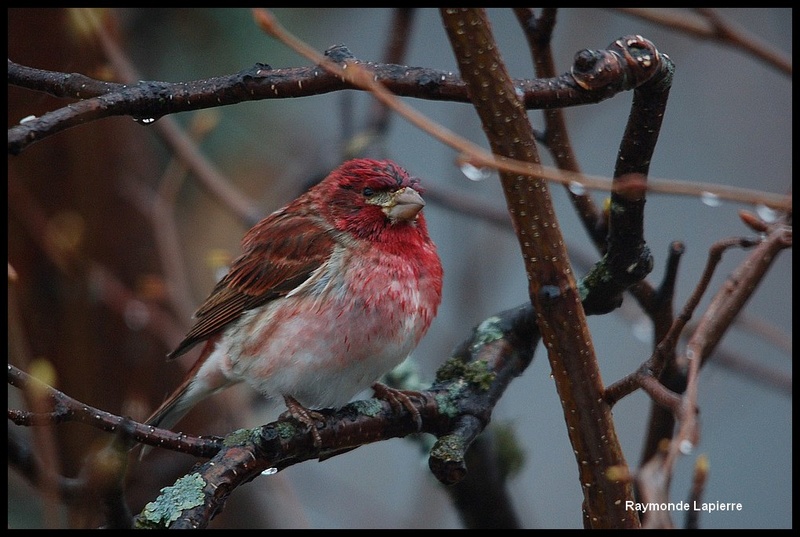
x=91, y=244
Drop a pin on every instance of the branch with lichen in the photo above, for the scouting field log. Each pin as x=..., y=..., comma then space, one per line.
x=456, y=409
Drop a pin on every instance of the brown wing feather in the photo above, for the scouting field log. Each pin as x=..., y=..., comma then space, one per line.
x=280, y=253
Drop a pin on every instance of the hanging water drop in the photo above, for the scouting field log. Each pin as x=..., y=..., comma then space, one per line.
x=577, y=188
x=643, y=330
x=767, y=214
x=710, y=199
x=474, y=173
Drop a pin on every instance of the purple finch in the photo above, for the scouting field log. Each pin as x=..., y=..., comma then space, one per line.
x=330, y=292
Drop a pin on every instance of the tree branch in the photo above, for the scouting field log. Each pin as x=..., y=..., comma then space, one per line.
x=551, y=284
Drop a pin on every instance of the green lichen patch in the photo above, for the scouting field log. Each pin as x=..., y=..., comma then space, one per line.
x=476, y=372
x=238, y=437
x=285, y=430
x=479, y=374
x=186, y=493
x=448, y=402
x=486, y=332
x=449, y=448
x=367, y=407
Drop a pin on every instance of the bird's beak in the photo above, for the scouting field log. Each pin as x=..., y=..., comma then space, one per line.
x=404, y=204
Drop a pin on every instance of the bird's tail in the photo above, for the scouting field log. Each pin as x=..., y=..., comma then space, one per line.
x=197, y=385
x=178, y=404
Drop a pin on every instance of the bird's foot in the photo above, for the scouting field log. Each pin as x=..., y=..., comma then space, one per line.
x=399, y=399
x=305, y=416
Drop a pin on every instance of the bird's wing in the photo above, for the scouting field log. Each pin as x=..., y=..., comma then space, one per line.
x=280, y=253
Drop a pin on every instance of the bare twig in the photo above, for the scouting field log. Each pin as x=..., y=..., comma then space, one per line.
x=724, y=307
x=654, y=365
x=147, y=100
x=711, y=25
x=538, y=31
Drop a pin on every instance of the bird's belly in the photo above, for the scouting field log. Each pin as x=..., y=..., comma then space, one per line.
x=323, y=355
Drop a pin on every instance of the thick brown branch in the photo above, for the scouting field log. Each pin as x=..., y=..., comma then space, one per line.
x=628, y=259
x=552, y=286
x=147, y=101
x=562, y=91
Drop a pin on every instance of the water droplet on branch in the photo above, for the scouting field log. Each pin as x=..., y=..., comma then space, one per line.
x=710, y=199
x=577, y=188
x=474, y=173
x=767, y=214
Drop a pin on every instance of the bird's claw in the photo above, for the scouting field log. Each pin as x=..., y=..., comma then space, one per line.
x=399, y=399
x=305, y=416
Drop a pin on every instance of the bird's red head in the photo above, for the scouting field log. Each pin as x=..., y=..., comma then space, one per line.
x=372, y=199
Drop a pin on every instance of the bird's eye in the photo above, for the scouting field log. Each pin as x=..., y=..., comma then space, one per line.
x=368, y=192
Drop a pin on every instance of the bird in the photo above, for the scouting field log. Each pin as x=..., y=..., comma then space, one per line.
x=330, y=292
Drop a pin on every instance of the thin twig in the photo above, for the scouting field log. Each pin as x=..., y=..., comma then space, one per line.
x=713, y=26
x=475, y=155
